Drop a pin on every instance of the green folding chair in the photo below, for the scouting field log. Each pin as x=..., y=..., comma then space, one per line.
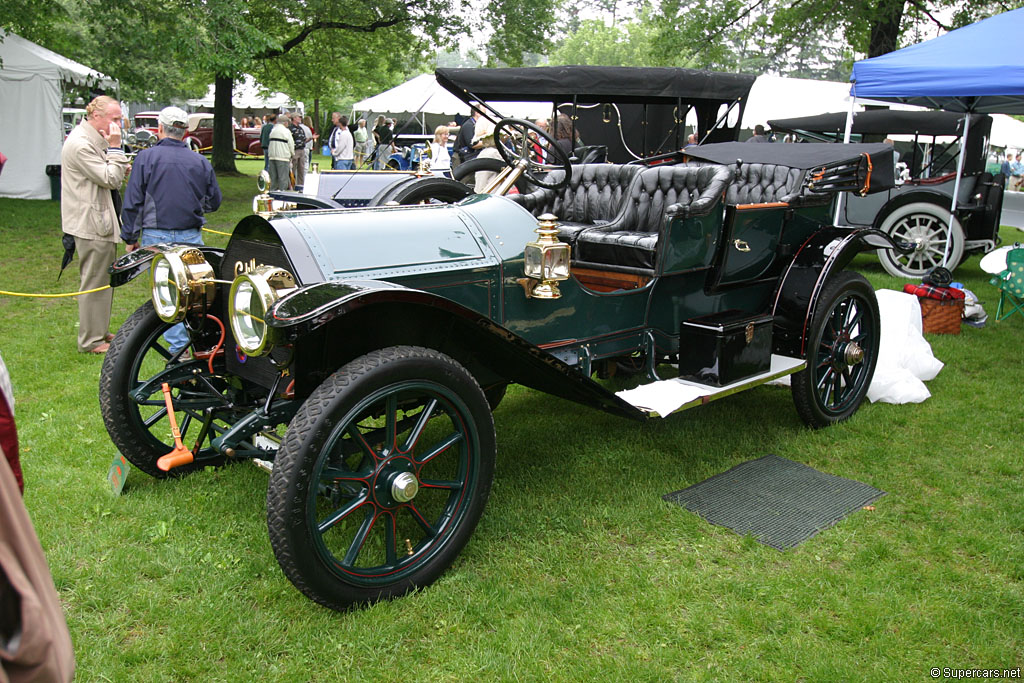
x=1011, y=285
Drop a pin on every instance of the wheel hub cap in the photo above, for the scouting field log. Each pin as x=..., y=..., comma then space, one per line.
x=404, y=487
x=853, y=354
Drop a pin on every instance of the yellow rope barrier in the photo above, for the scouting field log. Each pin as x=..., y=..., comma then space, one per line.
x=217, y=232
x=55, y=296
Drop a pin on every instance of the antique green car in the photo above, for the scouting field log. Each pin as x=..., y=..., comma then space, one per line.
x=358, y=353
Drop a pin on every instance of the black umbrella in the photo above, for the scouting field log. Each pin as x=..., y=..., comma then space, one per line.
x=68, y=242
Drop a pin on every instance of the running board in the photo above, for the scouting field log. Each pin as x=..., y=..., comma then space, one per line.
x=661, y=399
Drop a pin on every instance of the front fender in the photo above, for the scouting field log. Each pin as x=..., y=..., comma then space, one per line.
x=134, y=264
x=362, y=316
x=825, y=252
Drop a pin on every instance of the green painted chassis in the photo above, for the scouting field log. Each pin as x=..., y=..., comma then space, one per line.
x=472, y=305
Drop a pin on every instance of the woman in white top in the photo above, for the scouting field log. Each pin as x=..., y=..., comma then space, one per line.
x=440, y=160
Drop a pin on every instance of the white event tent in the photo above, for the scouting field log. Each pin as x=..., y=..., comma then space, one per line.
x=423, y=95
x=31, y=127
x=248, y=94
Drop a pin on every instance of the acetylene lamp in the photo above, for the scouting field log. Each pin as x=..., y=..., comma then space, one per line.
x=182, y=279
x=546, y=260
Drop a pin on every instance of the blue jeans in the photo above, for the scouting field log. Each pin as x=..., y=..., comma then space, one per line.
x=380, y=162
x=177, y=336
x=343, y=164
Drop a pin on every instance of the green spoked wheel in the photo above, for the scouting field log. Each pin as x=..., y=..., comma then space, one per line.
x=842, y=351
x=381, y=478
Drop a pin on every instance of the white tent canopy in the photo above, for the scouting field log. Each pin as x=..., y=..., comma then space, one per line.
x=1007, y=132
x=249, y=95
x=31, y=127
x=424, y=95
x=777, y=97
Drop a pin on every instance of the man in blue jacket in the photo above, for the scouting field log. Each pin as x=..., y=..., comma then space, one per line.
x=169, y=191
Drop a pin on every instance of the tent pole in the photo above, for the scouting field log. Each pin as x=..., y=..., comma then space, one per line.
x=956, y=188
x=846, y=141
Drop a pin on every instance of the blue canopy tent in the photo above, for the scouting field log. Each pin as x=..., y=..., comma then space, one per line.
x=974, y=69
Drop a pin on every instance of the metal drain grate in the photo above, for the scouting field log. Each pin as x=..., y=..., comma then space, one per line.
x=779, y=502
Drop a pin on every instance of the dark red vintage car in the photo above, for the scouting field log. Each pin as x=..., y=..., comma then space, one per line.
x=200, y=135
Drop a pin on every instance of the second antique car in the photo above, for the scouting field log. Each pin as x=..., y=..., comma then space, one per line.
x=358, y=353
x=916, y=208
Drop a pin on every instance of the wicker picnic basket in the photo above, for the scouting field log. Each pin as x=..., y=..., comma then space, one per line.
x=941, y=317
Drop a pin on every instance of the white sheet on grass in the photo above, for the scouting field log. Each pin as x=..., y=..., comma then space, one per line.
x=905, y=359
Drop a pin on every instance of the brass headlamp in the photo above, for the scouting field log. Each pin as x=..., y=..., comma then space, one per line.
x=546, y=260
x=181, y=280
x=252, y=295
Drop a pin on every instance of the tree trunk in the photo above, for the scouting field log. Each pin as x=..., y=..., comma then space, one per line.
x=223, y=132
x=885, y=27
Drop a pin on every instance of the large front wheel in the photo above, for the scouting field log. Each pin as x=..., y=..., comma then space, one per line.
x=842, y=351
x=132, y=402
x=381, y=478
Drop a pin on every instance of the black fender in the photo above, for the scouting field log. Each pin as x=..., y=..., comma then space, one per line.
x=305, y=202
x=825, y=252
x=135, y=263
x=331, y=323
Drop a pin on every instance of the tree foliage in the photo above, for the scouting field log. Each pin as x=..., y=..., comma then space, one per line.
x=807, y=38
x=308, y=48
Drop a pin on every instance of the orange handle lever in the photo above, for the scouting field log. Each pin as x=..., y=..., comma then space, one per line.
x=180, y=455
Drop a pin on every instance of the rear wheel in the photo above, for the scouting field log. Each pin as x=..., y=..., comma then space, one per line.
x=381, y=478
x=927, y=227
x=842, y=351
x=425, y=190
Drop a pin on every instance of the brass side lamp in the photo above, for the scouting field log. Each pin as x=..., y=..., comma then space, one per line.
x=546, y=260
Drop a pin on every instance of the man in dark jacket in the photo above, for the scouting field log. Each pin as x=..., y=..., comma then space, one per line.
x=169, y=191
x=268, y=125
x=463, y=145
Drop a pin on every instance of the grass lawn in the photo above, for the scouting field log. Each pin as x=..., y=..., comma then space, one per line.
x=578, y=570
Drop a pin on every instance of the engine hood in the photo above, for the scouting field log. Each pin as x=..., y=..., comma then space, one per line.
x=393, y=241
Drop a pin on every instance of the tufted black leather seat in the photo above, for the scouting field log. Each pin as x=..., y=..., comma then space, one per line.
x=661, y=192
x=764, y=183
x=594, y=195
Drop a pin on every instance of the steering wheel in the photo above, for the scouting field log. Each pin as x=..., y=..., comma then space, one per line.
x=517, y=131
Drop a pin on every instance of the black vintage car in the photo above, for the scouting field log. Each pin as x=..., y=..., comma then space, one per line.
x=916, y=208
x=359, y=352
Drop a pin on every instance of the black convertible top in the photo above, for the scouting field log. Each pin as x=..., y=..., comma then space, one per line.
x=881, y=122
x=590, y=84
x=838, y=166
x=634, y=112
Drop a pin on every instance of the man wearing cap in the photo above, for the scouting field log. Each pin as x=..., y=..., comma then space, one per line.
x=169, y=191
x=93, y=164
x=282, y=146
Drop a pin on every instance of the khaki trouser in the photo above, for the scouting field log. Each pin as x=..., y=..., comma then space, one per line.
x=299, y=164
x=94, y=257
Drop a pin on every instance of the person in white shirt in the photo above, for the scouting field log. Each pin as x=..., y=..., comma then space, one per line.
x=440, y=159
x=484, y=141
x=342, y=146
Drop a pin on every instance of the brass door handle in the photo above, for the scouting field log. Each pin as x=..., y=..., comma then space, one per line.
x=741, y=245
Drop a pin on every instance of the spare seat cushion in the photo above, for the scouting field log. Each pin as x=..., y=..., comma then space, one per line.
x=661, y=192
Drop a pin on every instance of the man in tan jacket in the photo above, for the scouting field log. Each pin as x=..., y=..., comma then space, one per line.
x=93, y=164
